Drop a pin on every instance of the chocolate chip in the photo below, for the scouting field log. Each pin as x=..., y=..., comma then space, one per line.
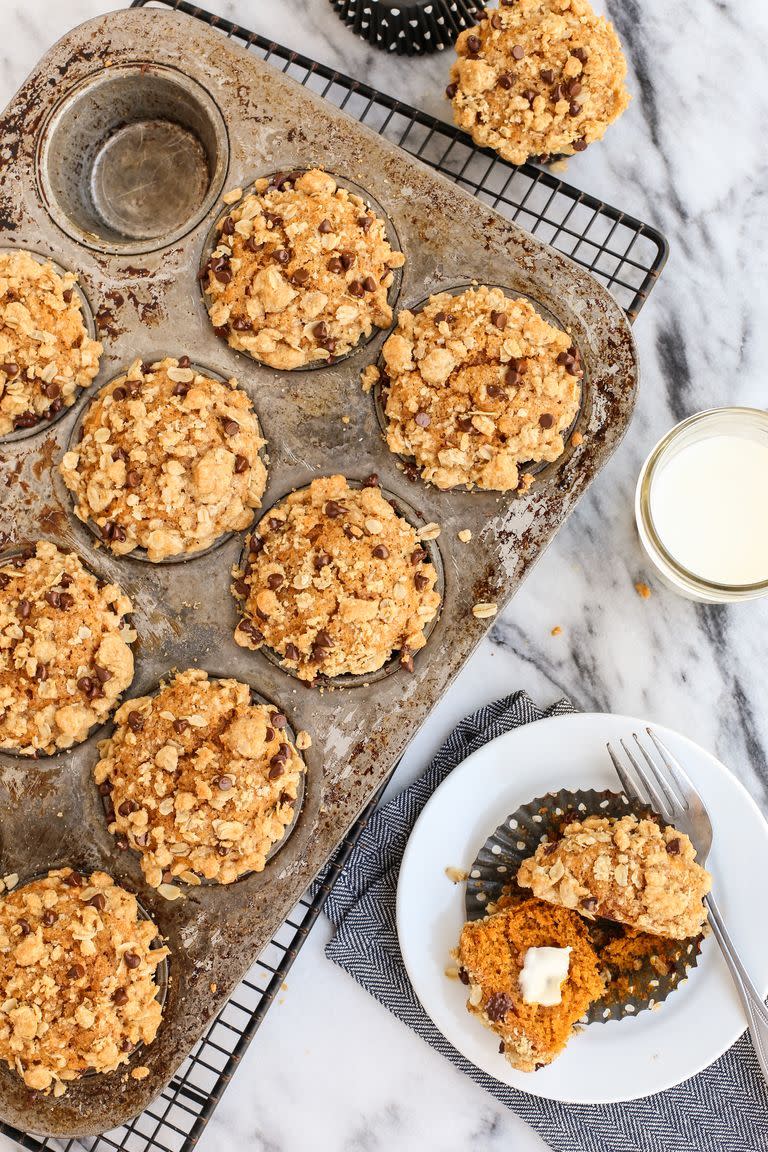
x=355, y=288
x=320, y=331
x=505, y=81
x=300, y=276
x=135, y=721
x=85, y=684
x=381, y=552
x=103, y=674
x=251, y=630
x=371, y=481
x=26, y=420
x=422, y=419
x=242, y=323
x=546, y=420
x=574, y=108
x=463, y=975
x=120, y=996
x=278, y=720
x=518, y=51
x=25, y=608
x=325, y=227
x=529, y=94
x=52, y=391
x=369, y=284
x=579, y=145
x=269, y=735
x=323, y=640
x=180, y=725
x=499, y=319
x=230, y=427
x=498, y=1006
x=474, y=44
x=67, y=295
x=73, y=880
x=282, y=255
x=493, y=390
x=99, y=901
x=496, y=21
x=589, y=903
x=76, y=972
x=673, y=847
x=347, y=260
x=49, y=917
x=364, y=222
x=132, y=960
x=10, y=368
x=52, y=598
x=223, y=275
x=223, y=783
x=66, y=601
x=292, y=652
x=41, y=673
x=24, y=926
x=276, y=770
x=275, y=523
x=547, y=75
x=421, y=581
x=127, y=807
x=501, y=1047
x=451, y=91
x=322, y=560
x=333, y=509
x=464, y=423
x=417, y=556
x=580, y=54
x=335, y=265
x=406, y=660
x=573, y=87
x=256, y=545
x=241, y=464
x=4, y=581
x=274, y=580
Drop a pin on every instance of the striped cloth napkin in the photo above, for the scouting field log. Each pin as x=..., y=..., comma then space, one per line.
x=723, y=1109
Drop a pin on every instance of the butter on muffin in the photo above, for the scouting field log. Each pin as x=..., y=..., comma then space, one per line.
x=538, y=78
x=78, y=978
x=301, y=271
x=65, y=654
x=46, y=354
x=506, y=961
x=200, y=781
x=168, y=460
x=475, y=384
x=336, y=581
x=628, y=870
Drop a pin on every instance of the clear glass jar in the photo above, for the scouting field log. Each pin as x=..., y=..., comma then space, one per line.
x=746, y=423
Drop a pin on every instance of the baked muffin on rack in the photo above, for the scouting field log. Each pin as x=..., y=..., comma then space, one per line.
x=78, y=978
x=301, y=271
x=200, y=781
x=168, y=460
x=628, y=870
x=336, y=581
x=538, y=78
x=475, y=384
x=46, y=354
x=65, y=650
x=532, y=974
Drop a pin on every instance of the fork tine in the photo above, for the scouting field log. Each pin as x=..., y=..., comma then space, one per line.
x=658, y=800
x=659, y=777
x=631, y=790
x=680, y=778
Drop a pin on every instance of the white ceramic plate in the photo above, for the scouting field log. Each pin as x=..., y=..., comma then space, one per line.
x=620, y=1059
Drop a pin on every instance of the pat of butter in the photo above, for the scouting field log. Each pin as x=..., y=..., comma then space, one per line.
x=543, y=974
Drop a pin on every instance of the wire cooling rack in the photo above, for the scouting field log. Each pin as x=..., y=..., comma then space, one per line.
x=620, y=251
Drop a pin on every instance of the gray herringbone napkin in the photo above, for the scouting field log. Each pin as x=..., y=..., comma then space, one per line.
x=724, y=1109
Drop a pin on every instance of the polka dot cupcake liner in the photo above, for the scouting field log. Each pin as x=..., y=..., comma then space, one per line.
x=409, y=27
x=492, y=876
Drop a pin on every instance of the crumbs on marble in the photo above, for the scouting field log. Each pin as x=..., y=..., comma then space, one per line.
x=456, y=875
x=346, y=419
x=140, y=1073
x=452, y=972
x=213, y=987
x=556, y=631
x=576, y=439
x=465, y=535
x=642, y=590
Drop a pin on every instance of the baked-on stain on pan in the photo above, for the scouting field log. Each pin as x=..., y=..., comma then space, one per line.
x=146, y=293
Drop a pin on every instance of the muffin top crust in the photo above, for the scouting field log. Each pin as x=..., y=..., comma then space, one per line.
x=46, y=354
x=78, y=988
x=538, y=78
x=65, y=654
x=336, y=581
x=301, y=271
x=626, y=869
x=475, y=384
x=168, y=460
x=199, y=780
x=491, y=955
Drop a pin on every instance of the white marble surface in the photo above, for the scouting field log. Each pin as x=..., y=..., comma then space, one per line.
x=330, y=1069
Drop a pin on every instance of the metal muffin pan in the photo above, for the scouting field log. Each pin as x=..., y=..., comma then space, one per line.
x=143, y=291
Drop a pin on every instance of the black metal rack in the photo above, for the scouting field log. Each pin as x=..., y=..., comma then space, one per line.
x=624, y=254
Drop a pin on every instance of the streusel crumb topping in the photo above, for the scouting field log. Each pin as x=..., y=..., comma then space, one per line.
x=301, y=271
x=65, y=654
x=46, y=354
x=168, y=460
x=336, y=581
x=200, y=781
x=78, y=988
x=476, y=384
x=628, y=870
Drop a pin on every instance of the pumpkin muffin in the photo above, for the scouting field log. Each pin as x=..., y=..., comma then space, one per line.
x=496, y=954
x=474, y=385
x=168, y=460
x=78, y=988
x=538, y=78
x=301, y=271
x=65, y=654
x=335, y=582
x=46, y=354
x=628, y=870
x=199, y=780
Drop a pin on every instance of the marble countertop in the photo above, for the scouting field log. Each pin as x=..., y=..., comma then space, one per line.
x=330, y=1069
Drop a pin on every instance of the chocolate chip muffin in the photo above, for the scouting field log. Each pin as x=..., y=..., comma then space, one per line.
x=65, y=654
x=492, y=957
x=199, y=780
x=78, y=988
x=301, y=271
x=168, y=460
x=475, y=384
x=46, y=354
x=336, y=581
x=538, y=78
x=628, y=870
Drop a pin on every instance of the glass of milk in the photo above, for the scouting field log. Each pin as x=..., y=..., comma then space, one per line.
x=702, y=506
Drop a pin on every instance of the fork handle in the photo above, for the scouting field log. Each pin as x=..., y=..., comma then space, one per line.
x=752, y=1001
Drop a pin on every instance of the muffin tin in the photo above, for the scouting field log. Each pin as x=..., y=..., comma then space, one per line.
x=229, y=118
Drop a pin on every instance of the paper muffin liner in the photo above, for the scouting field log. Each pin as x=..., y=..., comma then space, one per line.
x=493, y=873
x=409, y=27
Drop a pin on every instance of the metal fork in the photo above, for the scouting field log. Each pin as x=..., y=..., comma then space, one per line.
x=673, y=796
